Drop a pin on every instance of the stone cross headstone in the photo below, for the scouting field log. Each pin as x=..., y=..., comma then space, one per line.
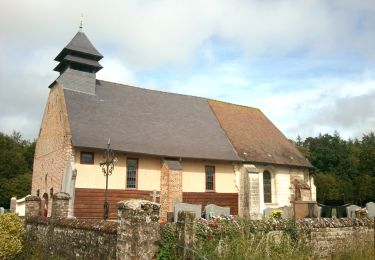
x=2, y=210
x=154, y=195
x=216, y=211
x=197, y=209
x=350, y=210
x=371, y=209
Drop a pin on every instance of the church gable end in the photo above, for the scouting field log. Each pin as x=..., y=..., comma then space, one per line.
x=53, y=148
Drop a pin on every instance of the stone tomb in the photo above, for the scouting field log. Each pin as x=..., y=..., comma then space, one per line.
x=2, y=210
x=216, y=211
x=350, y=210
x=197, y=209
x=371, y=209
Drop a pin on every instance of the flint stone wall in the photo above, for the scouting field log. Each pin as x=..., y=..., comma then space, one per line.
x=71, y=238
x=328, y=234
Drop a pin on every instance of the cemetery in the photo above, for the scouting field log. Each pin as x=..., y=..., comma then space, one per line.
x=195, y=232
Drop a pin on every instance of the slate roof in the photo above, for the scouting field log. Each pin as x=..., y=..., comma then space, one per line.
x=78, y=60
x=146, y=122
x=80, y=43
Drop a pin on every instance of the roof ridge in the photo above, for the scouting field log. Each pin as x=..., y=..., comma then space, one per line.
x=234, y=104
x=172, y=93
x=154, y=90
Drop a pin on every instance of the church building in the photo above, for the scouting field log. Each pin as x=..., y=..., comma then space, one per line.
x=187, y=149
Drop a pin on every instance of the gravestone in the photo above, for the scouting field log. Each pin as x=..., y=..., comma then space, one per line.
x=2, y=210
x=319, y=212
x=287, y=212
x=213, y=210
x=267, y=212
x=197, y=209
x=371, y=209
x=350, y=210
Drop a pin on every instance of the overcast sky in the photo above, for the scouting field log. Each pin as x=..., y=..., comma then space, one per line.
x=309, y=65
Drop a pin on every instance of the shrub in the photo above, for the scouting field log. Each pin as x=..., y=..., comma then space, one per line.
x=11, y=235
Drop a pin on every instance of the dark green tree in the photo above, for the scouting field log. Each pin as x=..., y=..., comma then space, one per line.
x=16, y=163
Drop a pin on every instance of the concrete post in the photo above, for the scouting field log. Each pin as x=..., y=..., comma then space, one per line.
x=32, y=206
x=185, y=233
x=139, y=230
x=60, y=205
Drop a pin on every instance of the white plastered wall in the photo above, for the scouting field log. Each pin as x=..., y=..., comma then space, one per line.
x=281, y=187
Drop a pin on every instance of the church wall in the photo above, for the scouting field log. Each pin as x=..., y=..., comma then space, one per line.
x=193, y=176
x=53, y=149
x=282, y=176
x=91, y=175
x=149, y=170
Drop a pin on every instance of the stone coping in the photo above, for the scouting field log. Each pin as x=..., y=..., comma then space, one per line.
x=311, y=223
x=32, y=198
x=61, y=196
x=336, y=222
x=86, y=224
x=138, y=205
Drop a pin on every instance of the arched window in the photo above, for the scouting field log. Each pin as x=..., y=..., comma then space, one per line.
x=267, y=190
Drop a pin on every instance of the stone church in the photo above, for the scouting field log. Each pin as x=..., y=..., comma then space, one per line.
x=188, y=149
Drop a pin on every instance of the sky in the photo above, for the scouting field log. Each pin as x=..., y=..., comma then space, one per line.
x=309, y=65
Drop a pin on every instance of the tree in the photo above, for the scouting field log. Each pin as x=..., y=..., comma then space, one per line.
x=16, y=162
x=367, y=154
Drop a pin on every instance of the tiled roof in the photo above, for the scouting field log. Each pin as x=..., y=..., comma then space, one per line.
x=255, y=137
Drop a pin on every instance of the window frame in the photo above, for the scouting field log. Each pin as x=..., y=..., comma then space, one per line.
x=213, y=178
x=136, y=174
x=85, y=162
x=270, y=187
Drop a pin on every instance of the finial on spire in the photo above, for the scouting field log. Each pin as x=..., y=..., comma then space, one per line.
x=81, y=24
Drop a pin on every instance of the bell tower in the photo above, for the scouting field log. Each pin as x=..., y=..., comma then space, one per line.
x=78, y=64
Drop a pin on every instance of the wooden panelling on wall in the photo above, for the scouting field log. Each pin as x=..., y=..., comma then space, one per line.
x=220, y=199
x=88, y=203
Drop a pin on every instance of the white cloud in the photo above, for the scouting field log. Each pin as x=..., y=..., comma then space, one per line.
x=138, y=36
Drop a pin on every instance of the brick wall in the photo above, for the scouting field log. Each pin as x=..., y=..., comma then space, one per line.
x=170, y=189
x=54, y=147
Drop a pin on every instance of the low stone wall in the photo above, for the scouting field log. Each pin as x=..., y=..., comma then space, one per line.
x=72, y=238
x=324, y=235
x=329, y=234
x=134, y=235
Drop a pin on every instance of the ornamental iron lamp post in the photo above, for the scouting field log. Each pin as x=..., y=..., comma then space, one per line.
x=108, y=164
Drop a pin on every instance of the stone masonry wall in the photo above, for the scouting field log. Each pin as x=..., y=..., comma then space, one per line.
x=71, y=238
x=54, y=147
x=329, y=234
